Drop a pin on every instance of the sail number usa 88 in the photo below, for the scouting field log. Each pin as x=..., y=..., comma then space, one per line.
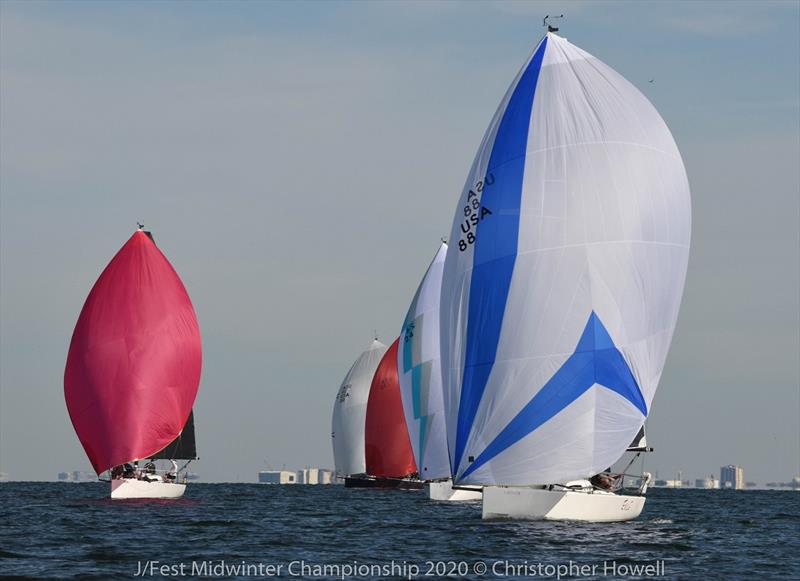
x=474, y=212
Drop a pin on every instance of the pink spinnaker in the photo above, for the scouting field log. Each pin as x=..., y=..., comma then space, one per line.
x=133, y=367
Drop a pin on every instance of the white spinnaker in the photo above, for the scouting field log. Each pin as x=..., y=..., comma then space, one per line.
x=419, y=367
x=604, y=221
x=350, y=412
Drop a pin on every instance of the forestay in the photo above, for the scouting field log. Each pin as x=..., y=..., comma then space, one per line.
x=564, y=275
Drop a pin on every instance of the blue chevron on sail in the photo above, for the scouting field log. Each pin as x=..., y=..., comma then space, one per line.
x=596, y=361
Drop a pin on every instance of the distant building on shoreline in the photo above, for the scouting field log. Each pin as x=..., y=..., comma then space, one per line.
x=77, y=476
x=710, y=482
x=677, y=483
x=308, y=476
x=304, y=476
x=277, y=477
x=731, y=477
x=794, y=484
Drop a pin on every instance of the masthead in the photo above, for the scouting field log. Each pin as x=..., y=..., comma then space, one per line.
x=551, y=28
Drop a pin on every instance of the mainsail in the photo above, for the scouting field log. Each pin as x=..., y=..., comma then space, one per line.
x=387, y=446
x=350, y=411
x=639, y=443
x=421, y=375
x=133, y=367
x=563, y=280
x=183, y=447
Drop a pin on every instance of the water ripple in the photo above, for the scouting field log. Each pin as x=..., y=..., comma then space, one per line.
x=74, y=531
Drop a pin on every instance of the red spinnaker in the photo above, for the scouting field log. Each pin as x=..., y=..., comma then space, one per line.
x=133, y=366
x=387, y=445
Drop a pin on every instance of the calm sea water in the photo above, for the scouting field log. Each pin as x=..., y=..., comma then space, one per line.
x=54, y=530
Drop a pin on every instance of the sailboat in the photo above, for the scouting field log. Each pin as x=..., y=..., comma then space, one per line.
x=133, y=371
x=350, y=412
x=421, y=386
x=389, y=458
x=561, y=290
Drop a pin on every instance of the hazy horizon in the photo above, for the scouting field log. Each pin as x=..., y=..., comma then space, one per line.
x=298, y=164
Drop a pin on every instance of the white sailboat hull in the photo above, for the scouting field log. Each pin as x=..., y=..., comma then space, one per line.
x=128, y=488
x=443, y=491
x=543, y=504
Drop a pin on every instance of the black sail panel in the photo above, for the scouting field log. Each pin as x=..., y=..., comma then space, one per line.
x=181, y=448
x=639, y=443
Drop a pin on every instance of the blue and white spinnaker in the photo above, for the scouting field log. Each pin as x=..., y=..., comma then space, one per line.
x=564, y=275
x=420, y=375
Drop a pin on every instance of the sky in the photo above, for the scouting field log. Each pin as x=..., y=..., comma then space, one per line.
x=298, y=164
